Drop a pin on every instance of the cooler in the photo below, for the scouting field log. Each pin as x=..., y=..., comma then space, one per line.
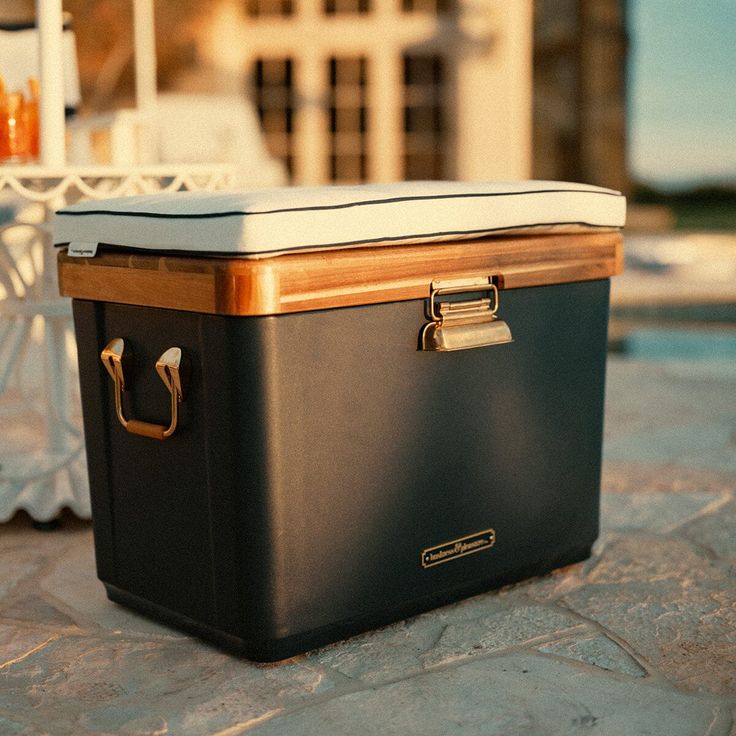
x=313, y=411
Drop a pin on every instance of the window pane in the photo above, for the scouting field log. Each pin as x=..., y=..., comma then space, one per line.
x=348, y=114
x=265, y=8
x=273, y=93
x=428, y=6
x=424, y=127
x=335, y=7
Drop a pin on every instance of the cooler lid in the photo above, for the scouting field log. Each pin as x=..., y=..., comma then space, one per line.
x=293, y=250
x=273, y=222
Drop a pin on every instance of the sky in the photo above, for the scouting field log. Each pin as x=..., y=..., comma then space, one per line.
x=682, y=90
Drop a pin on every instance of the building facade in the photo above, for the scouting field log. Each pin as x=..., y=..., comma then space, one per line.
x=382, y=90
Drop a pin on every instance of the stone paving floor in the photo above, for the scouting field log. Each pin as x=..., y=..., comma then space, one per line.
x=640, y=639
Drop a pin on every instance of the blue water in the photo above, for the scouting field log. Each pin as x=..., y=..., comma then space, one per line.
x=681, y=344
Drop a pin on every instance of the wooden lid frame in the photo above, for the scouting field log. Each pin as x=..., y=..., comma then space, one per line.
x=325, y=279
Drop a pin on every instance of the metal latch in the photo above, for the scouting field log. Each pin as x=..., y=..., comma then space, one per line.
x=460, y=325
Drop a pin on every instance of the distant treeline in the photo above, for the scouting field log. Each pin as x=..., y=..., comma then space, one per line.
x=722, y=194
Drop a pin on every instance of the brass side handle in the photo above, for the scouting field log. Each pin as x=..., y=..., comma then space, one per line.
x=118, y=359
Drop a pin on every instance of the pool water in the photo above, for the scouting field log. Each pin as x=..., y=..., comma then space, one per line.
x=649, y=343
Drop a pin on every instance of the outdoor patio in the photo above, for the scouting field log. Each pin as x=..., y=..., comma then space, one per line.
x=640, y=639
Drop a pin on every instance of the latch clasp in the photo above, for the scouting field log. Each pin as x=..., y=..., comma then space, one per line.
x=460, y=325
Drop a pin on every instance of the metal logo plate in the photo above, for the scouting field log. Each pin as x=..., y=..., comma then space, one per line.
x=455, y=548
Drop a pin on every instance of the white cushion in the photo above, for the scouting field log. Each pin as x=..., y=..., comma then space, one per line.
x=276, y=221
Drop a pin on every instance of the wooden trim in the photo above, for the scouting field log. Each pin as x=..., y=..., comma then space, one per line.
x=334, y=278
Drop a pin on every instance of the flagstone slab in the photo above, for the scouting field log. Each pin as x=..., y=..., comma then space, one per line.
x=513, y=694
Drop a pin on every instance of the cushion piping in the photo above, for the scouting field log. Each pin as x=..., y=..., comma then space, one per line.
x=369, y=241
x=345, y=205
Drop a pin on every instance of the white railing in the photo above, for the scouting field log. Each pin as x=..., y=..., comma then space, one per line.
x=42, y=459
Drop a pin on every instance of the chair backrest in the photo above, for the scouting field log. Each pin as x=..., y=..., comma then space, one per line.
x=183, y=129
x=200, y=128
